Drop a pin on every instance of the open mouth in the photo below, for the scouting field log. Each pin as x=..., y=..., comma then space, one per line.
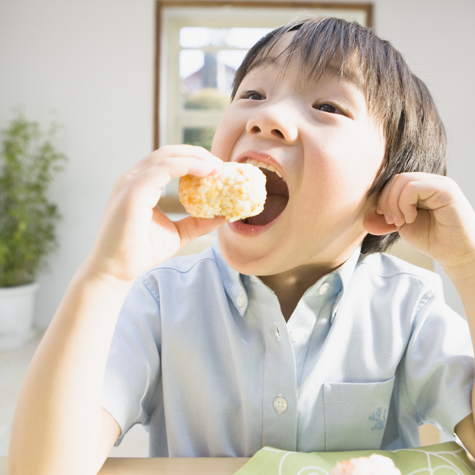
x=277, y=196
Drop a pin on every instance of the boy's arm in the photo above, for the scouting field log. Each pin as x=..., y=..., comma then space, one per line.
x=465, y=286
x=59, y=425
x=58, y=415
x=431, y=213
x=466, y=433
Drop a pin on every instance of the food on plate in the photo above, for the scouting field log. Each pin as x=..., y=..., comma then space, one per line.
x=237, y=192
x=372, y=465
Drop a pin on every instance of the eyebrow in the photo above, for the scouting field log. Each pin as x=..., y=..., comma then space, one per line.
x=346, y=76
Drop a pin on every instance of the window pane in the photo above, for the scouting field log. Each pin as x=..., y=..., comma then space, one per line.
x=198, y=37
x=204, y=72
x=231, y=58
x=191, y=60
x=194, y=37
x=202, y=136
x=245, y=37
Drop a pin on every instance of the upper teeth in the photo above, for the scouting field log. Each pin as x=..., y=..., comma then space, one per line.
x=263, y=165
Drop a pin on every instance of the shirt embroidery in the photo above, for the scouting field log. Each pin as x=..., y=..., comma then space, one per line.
x=379, y=418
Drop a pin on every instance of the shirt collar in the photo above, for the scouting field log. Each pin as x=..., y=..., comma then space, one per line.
x=236, y=291
x=345, y=273
x=232, y=281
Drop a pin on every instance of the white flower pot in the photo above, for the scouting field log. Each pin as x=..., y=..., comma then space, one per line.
x=17, y=306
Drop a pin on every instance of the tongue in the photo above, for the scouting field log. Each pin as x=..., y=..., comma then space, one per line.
x=273, y=206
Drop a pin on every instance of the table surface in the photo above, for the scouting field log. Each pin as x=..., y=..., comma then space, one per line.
x=163, y=466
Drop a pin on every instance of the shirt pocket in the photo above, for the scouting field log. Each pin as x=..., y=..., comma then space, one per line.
x=356, y=414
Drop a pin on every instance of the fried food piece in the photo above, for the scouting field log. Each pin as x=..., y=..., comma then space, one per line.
x=237, y=192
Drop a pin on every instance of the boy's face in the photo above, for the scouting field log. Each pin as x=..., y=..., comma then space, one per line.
x=320, y=137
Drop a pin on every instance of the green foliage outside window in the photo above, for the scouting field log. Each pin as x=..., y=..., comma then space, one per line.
x=28, y=163
x=207, y=98
x=199, y=136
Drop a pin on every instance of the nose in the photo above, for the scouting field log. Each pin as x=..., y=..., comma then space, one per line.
x=274, y=121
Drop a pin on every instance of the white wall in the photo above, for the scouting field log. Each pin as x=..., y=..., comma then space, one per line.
x=437, y=39
x=92, y=62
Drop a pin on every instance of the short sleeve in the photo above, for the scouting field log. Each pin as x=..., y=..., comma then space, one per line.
x=133, y=367
x=437, y=373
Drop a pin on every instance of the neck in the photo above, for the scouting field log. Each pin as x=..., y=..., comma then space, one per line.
x=289, y=286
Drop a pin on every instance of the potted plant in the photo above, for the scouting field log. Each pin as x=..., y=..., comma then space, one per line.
x=28, y=162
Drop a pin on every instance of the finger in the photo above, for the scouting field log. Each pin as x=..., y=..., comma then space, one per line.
x=146, y=187
x=394, y=194
x=382, y=206
x=181, y=166
x=158, y=176
x=430, y=193
x=169, y=151
x=391, y=206
x=377, y=225
x=191, y=228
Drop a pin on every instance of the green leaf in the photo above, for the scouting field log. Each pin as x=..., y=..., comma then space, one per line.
x=28, y=163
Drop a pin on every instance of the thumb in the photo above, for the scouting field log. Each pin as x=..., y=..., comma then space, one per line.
x=376, y=224
x=191, y=228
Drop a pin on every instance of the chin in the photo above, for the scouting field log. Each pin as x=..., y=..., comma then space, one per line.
x=245, y=258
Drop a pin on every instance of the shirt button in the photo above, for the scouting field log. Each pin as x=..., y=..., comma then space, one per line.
x=241, y=300
x=280, y=404
x=323, y=289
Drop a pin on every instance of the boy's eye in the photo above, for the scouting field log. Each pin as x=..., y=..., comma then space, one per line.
x=253, y=96
x=327, y=108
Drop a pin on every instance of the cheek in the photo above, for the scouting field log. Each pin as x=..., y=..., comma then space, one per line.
x=217, y=146
x=360, y=158
x=225, y=137
x=343, y=172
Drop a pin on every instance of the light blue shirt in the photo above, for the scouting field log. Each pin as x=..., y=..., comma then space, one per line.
x=203, y=357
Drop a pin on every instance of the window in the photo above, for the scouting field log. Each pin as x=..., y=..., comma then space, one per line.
x=199, y=47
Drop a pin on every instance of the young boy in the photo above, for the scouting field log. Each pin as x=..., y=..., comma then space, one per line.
x=294, y=331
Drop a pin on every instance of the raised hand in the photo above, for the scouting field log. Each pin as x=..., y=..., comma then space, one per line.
x=135, y=234
x=431, y=213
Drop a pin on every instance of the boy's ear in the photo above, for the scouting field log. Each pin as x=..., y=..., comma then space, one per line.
x=375, y=224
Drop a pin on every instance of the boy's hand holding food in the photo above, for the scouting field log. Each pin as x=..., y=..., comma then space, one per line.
x=431, y=213
x=135, y=234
